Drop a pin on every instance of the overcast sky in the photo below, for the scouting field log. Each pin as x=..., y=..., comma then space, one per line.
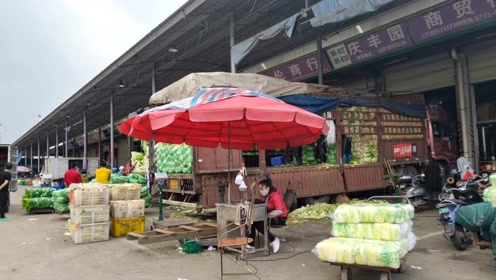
x=49, y=49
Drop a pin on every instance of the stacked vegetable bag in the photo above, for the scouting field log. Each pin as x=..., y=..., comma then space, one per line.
x=308, y=154
x=173, y=158
x=40, y=198
x=90, y=213
x=140, y=179
x=145, y=194
x=127, y=211
x=118, y=179
x=376, y=235
x=60, y=200
x=489, y=194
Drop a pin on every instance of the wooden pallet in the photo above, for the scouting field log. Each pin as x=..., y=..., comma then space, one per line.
x=174, y=233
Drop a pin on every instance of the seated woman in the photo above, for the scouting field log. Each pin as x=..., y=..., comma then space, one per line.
x=276, y=209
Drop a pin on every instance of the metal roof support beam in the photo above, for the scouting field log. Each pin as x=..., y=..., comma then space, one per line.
x=319, y=58
x=154, y=78
x=56, y=141
x=74, y=148
x=232, y=41
x=100, y=143
x=85, y=140
x=112, y=129
x=39, y=156
x=66, y=130
x=48, y=146
x=31, y=157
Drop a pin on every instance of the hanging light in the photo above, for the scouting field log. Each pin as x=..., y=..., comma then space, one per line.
x=173, y=49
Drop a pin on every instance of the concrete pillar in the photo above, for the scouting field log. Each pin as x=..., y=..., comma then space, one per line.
x=463, y=104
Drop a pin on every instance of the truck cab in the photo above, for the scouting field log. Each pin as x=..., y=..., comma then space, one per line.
x=442, y=136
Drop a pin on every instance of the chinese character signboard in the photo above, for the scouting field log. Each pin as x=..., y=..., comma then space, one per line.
x=404, y=150
x=452, y=17
x=300, y=69
x=369, y=46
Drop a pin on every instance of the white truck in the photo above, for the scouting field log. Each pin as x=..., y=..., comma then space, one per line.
x=55, y=168
x=8, y=153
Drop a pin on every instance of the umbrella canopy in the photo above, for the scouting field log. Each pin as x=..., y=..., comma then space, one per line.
x=235, y=118
x=23, y=169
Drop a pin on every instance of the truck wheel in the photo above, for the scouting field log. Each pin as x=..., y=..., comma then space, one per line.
x=318, y=199
x=410, y=170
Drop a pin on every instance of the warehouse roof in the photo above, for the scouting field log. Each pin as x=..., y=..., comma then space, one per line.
x=200, y=31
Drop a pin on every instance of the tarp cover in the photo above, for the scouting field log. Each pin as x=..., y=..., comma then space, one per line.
x=480, y=217
x=241, y=49
x=189, y=85
x=332, y=11
x=319, y=105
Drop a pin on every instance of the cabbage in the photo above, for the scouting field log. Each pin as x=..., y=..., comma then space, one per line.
x=375, y=253
x=375, y=231
x=374, y=213
x=171, y=158
x=489, y=194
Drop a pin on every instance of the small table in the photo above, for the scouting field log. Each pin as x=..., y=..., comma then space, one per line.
x=226, y=214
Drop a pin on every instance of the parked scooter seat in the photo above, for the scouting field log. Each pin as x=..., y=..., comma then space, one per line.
x=450, y=201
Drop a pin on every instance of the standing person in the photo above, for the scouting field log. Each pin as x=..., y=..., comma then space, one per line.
x=84, y=176
x=276, y=209
x=5, y=177
x=72, y=176
x=102, y=174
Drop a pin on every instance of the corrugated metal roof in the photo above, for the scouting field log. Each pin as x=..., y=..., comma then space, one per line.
x=200, y=31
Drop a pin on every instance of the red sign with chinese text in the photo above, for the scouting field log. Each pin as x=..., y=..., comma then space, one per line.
x=403, y=150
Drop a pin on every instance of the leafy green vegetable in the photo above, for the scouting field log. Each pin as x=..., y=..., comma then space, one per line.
x=308, y=154
x=172, y=158
x=36, y=203
x=318, y=211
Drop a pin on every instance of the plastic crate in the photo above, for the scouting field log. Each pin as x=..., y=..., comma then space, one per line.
x=125, y=191
x=81, y=234
x=89, y=195
x=121, y=227
x=120, y=209
x=276, y=161
x=81, y=215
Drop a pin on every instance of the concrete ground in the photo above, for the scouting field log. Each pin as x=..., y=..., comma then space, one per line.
x=35, y=247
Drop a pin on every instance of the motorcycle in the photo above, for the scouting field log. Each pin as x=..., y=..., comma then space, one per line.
x=461, y=195
x=420, y=195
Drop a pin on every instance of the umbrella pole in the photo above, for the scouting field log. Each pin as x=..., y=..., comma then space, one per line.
x=228, y=162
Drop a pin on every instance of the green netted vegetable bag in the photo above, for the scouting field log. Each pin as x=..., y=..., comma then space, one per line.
x=118, y=179
x=191, y=246
x=308, y=154
x=40, y=192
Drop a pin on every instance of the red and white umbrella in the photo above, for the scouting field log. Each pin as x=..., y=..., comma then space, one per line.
x=232, y=117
